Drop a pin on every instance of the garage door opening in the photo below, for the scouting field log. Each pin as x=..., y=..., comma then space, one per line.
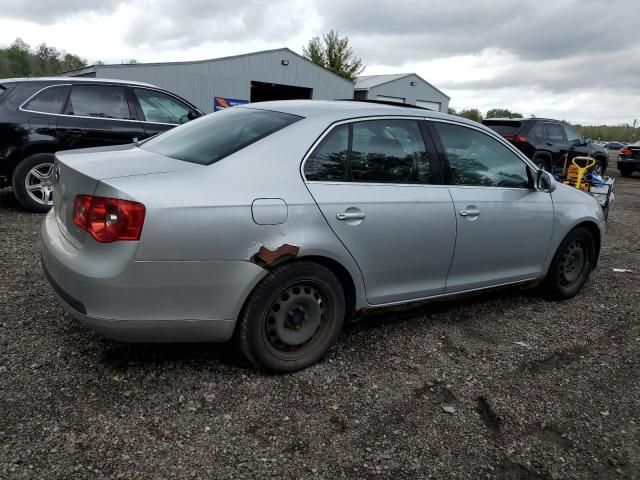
x=262, y=92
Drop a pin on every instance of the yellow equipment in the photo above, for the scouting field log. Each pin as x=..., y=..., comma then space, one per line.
x=575, y=175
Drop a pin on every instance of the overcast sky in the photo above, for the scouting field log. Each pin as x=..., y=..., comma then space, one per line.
x=577, y=60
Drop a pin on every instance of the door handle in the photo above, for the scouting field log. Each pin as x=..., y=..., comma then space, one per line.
x=549, y=143
x=469, y=212
x=75, y=133
x=351, y=216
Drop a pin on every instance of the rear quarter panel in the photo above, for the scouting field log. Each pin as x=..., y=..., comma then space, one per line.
x=204, y=214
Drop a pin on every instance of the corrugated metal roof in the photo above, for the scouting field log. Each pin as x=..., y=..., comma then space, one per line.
x=365, y=82
x=92, y=68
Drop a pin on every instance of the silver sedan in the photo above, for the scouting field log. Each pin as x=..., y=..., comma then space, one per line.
x=278, y=221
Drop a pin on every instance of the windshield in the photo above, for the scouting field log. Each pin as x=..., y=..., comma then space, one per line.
x=218, y=135
x=504, y=128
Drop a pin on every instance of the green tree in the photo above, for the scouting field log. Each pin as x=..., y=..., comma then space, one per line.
x=452, y=111
x=502, y=113
x=20, y=60
x=471, y=114
x=334, y=53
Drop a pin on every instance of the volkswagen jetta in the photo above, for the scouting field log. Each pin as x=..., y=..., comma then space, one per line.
x=274, y=222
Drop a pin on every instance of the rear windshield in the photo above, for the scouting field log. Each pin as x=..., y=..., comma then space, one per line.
x=215, y=136
x=505, y=128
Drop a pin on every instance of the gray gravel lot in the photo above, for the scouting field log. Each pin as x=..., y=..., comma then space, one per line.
x=534, y=389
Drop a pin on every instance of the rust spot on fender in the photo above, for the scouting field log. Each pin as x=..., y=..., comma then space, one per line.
x=268, y=258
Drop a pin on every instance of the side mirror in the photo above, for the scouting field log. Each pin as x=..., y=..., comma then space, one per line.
x=545, y=182
x=193, y=114
x=587, y=141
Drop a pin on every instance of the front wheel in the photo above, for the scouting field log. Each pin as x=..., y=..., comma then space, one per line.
x=292, y=318
x=32, y=182
x=571, y=264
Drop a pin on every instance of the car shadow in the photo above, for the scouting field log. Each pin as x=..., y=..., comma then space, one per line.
x=227, y=357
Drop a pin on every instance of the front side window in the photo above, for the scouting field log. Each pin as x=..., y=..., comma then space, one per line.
x=161, y=108
x=217, y=135
x=555, y=132
x=573, y=136
x=50, y=100
x=98, y=101
x=381, y=151
x=477, y=159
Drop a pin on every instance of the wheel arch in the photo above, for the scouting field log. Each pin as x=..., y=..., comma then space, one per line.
x=592, y=227
x=341, y=272
x=19, y=155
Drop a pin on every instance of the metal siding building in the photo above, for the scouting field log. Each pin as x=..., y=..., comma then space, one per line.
x=406, y=88
x=232, y=77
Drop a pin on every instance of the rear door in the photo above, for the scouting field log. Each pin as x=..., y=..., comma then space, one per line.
x=557, y=142
x=97, y=115
x=378, y=185
x=504, y=225
x=159, y=111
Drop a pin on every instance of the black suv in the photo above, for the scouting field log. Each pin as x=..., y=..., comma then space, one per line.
x=547, y=141
x=40, y=116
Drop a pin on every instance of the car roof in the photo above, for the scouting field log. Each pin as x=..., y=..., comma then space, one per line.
x=528, y=119
x=75, y=80
x=336, y=110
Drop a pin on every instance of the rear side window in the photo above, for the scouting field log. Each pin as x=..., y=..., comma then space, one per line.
x=389, y=151
x=555, y=132
x=215, y=136
x=540, y=131
x=373, y=151
x=477, y=159
x=100, y=101
x=50, y=100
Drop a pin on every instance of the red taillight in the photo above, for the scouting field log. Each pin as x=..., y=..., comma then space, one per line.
x=626, y=151
x=520, y=139
x=108, y=219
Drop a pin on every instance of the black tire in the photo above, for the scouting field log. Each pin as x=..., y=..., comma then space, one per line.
x=571, y=265
x=626, y=171
x=599, y=166
x=543, y=162
x=18, y=182
x=292, y=302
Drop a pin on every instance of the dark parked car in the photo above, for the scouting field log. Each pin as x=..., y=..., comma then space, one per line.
x=40, y=116
x=547, y=141
x=629, y=159
x=614, y=145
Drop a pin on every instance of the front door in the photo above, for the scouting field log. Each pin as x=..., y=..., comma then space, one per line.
x=96, y=116
x=504, y=225
x=379, y=191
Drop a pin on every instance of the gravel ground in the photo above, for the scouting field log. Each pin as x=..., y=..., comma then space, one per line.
x=506, y=385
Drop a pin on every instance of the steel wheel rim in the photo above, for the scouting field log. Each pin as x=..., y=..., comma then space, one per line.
x=573, y=263
x=39, y=184
x=298, y=319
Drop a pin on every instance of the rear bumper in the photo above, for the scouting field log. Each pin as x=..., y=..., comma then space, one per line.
x=132, y=301
x=628, y=163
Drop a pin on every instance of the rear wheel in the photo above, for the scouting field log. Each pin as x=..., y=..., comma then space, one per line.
x=571, y=264
x=32, y=182
x=626, y=171
x=543, y=163
x=292, y=318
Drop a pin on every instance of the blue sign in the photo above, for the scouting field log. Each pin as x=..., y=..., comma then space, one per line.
x=220, y=103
